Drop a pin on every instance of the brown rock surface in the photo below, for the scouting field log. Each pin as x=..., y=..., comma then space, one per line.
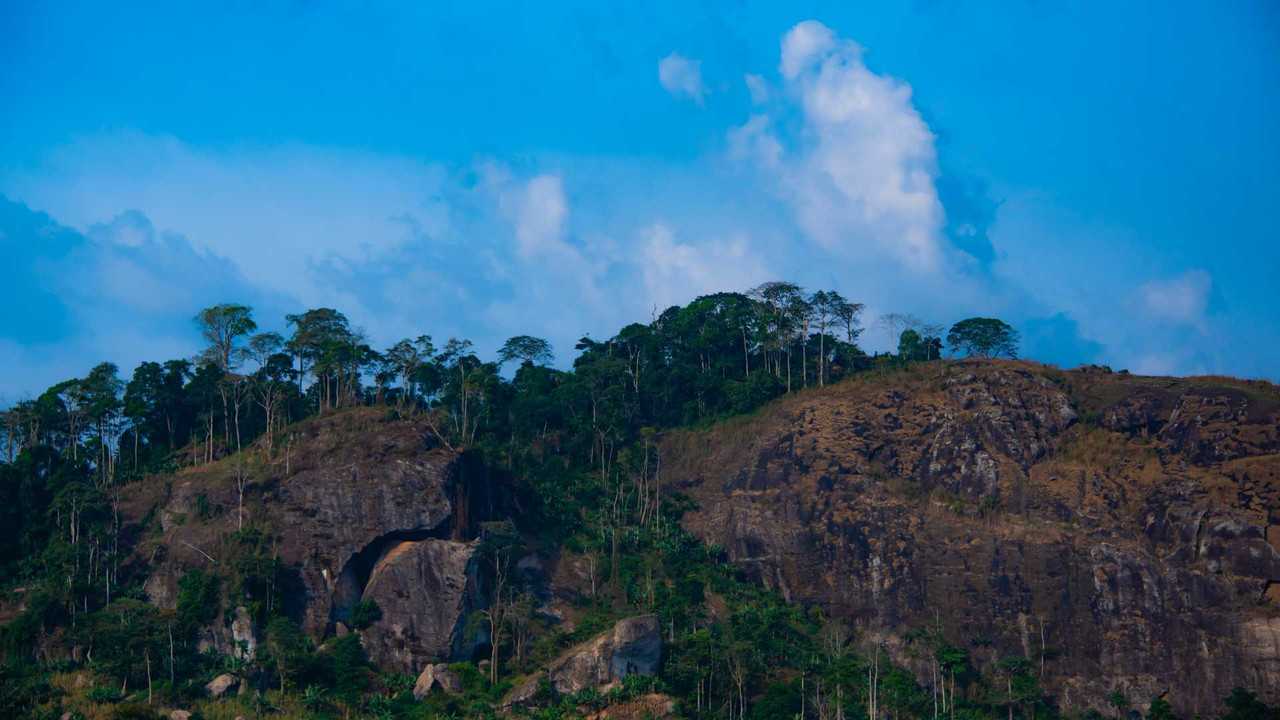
x=1126, y=518
x=632, y=647
x=341, y=491
x=222, y=685
x=426, y=590
x=437, y=676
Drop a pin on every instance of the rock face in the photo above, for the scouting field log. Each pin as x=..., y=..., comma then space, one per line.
x=357, y=505
x=437, y=676
x=426, y=590
x=1125, y=528
x=632, y=647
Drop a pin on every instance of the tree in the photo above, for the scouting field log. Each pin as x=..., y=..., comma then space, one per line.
x=1244, y=705
x=526, y=349
x=142, y=402
x=983, y=337
x=783, y=309
x=1160, y=710
x=848, y=313
x=1118, y=701
x=100, y=392
x=405, y=359
x=919, y=345
x=222, y=326
x=288, y=647
x=894, y=324
x=910, y=345
x=316, y=336
x=273, y=379
x=498, y=544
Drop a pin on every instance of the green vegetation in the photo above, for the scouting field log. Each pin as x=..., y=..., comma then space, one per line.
x=984, y=337
x=580, y=448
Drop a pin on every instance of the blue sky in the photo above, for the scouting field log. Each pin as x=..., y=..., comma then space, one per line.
x=1104, y=176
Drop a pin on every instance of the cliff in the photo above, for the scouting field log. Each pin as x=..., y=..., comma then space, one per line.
x=1120, y=532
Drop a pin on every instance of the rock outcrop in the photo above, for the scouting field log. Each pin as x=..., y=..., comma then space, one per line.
x=224, y=684
x=426, y=591
x=632, y=647
x=1125, y=529
x=352, y=497
x=437, y=677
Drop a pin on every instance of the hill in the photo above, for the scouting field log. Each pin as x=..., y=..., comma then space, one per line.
x=729, y=512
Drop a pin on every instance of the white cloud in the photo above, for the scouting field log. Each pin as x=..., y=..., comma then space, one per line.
x=754, y=140
x=273, y=212
x=1183, y=299
x=681, y=76
x=758, y=87
x=675, y=272
x=804, y=44
x=861, y=176
x=540, y=215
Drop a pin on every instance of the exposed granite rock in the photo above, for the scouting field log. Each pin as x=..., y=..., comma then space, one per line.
x=243, y=636
x=426, y=590
x=350, y=486
x=632, y=647
x=437, y=676
x=1142, y=545
x=224, y=684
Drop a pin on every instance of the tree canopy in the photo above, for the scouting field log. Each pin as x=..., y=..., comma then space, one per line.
x=983, y=337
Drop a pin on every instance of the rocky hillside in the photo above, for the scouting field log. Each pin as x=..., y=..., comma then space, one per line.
x=359, y=509
x=1121, y=532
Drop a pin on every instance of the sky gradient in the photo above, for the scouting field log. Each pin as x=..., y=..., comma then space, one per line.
x=1105, y=178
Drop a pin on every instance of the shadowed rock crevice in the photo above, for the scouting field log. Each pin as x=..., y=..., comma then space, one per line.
x=350, y=585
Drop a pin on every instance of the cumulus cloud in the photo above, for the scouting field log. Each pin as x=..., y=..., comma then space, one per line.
x=1183, y=299
x=860, y=173
x=275, y=213
x=758, y=87
x=674, y=271
x=831, y=180
x=681, y=76
x=803, y=45
x=124, y=293
x=539, y=216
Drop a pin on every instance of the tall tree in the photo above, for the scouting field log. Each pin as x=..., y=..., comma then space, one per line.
x=405, y=360
x=984, y=337
x=272, y=378
x=321, y=338
x=526, y=349
x=781, y=306
x=222, y=326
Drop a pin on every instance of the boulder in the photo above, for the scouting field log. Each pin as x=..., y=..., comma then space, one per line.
x=435, y=676
x=224, y=684
x=632, y=647
x=243, y=637
x=180, y=715
x=426, y=591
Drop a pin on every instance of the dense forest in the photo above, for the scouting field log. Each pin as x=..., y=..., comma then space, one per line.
x=577, y=448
